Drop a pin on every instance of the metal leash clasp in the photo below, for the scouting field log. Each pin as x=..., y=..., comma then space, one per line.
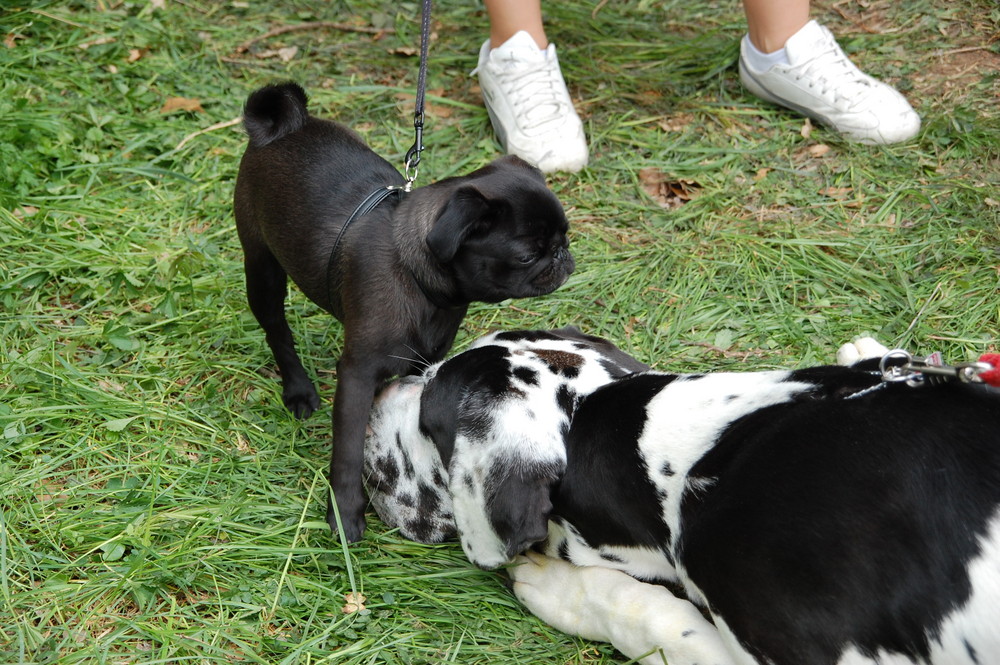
x=412, y=158
x=930, y=370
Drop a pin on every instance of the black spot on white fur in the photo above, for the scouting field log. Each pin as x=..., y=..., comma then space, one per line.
x=526, y=375
x=386, y=471
x=566, y=399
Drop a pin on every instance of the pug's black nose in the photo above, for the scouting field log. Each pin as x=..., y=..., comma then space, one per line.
x=563, y=255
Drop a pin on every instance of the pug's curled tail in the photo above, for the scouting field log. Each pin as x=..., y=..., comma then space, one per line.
x=273, y=112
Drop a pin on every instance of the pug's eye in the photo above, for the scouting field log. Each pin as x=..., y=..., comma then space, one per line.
x=527, y=259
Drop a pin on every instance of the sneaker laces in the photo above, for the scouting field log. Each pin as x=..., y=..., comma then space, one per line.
x=832, y=71
x=533, y=90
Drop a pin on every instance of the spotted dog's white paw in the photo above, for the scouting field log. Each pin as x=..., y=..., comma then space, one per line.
x=860, y=349
x=643, y=621
x=560, y=593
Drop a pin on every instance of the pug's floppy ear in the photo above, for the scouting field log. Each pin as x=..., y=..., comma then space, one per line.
x=466, y=211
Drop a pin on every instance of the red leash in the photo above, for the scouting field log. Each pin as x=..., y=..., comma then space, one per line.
x=991, y=376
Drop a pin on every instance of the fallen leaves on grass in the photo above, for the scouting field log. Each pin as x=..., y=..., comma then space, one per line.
x=727, y=353
x=355, y=603
x=676, y=123
x=96, y=42
x=839, y=193
x=181, y=104
x=819, y=149
x=285, y=54
x=667, y=191
x=807, y=129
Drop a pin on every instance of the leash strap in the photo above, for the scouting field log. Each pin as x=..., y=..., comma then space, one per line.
x=412, y=159
x=366, y=206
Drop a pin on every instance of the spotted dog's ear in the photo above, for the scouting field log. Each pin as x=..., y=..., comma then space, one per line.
x=520, y=504
x=462, y=388
x=439, y=405
x=618, y=363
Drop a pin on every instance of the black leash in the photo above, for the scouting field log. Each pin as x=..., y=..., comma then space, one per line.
x=411, y=160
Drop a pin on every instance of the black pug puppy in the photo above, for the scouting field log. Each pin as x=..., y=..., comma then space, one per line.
x=399, y=272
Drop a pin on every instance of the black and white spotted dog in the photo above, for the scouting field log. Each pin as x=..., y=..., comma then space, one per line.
x=819, y=516
x=474, y=444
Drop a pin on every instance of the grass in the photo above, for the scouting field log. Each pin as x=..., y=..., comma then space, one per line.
x=158, y=505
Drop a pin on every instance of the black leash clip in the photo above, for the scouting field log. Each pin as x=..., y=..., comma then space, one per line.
x=899, y=366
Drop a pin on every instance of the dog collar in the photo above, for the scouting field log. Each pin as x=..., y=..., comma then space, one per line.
x=367, y=205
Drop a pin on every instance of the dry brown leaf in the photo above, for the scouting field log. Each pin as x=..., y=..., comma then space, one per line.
x=439, y=110
x=807, y=129
x=650, y=97
x=761, y=174
x=836, y=192
x=97, y=42
x=135, y=54
x=243, y=445
x=10, y=40
x=181, y=104
x=405, y=51
x=675, y=123
x=666, y=191
x=284, y=54
x=355, y=603
x=819, y=149
x=110, y=386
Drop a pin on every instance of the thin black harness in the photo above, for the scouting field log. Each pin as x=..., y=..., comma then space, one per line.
x=411, y=160
x=370, y=203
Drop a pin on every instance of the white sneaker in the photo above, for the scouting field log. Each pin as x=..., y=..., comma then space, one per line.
x=529, y=106
x=819, y=81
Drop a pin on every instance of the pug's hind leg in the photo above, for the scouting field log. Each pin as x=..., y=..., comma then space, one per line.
x=267, y=286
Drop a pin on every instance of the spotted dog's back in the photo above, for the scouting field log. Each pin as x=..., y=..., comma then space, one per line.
x=821, y=516
x=473, y=445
